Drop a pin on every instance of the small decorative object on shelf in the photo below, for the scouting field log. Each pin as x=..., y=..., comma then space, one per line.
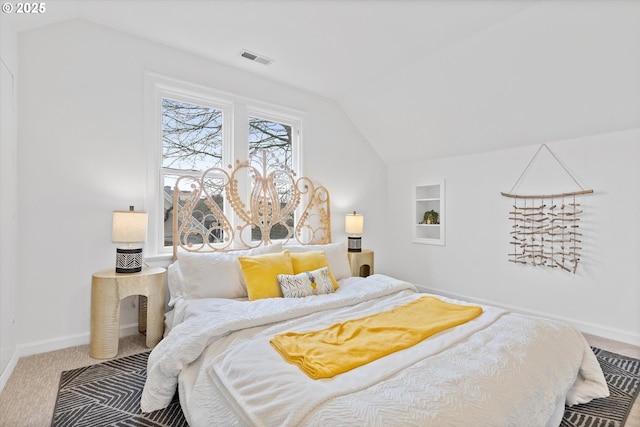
x=430, y=217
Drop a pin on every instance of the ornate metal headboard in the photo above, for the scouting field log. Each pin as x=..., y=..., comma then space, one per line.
x=279, y=207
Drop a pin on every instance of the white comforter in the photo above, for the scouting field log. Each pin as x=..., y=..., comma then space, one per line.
x=500, y=369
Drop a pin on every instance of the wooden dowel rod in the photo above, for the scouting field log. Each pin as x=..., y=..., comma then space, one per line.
x=547, y=196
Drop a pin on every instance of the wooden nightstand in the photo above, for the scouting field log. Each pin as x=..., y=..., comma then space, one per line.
x=108, y=288
x=361, y=263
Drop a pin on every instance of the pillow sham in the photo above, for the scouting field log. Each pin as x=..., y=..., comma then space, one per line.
x=316, y=282
x=312, y=260
x=215, y=274
x=260, y=273
x=336, y=254
x=174, y=282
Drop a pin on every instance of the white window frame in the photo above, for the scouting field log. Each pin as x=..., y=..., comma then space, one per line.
x=236, y=111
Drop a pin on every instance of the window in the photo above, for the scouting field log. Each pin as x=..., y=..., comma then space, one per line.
x=191, y=129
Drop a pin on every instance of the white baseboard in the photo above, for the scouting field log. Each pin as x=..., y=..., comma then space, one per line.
x=585, y=327
x=29, y=349
x=8, y=370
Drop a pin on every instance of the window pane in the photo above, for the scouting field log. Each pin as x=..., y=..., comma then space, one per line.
x=191, y=136
x=275, y=139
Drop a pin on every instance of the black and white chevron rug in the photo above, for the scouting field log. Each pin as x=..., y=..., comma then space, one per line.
x=108, y=394
x=623, y=378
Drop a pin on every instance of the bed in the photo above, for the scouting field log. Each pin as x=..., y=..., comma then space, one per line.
x=497, y=368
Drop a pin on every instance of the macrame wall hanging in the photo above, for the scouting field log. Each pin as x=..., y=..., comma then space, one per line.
x=545, y=229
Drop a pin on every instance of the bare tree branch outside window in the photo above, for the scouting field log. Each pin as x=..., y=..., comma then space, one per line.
x=191, y=136
x=272, y=136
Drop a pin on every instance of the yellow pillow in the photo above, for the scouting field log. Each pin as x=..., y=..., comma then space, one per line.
x=312, y=260
x=260, y=273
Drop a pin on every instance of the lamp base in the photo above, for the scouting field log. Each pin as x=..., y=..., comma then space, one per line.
x=128, y=260
x=355, y=244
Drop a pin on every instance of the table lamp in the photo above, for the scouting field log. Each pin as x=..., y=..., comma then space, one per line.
x=354, y=226
x=129, y=227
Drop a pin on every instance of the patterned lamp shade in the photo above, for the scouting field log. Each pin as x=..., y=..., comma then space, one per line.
x=354, y=225
x=129, y=227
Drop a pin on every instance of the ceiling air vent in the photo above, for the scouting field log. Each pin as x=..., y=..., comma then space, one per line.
x=255, y=57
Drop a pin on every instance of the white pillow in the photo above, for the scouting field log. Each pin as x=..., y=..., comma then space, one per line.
x=316, y=282
x=336, y=254
x=215, y=274
x=174, y=281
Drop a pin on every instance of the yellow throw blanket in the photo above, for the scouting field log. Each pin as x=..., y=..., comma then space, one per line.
x=344, y=346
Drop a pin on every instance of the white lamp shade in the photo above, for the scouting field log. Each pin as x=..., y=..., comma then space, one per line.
x=354, y=223
x=129, y=227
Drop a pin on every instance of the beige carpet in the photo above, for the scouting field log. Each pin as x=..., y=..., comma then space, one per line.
x=36, y=378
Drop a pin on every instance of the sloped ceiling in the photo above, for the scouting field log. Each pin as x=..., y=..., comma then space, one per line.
x=420, y=79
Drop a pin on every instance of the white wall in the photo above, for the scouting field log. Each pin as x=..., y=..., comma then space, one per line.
x=602, y=298
x=81, y=156
x=8, y=194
